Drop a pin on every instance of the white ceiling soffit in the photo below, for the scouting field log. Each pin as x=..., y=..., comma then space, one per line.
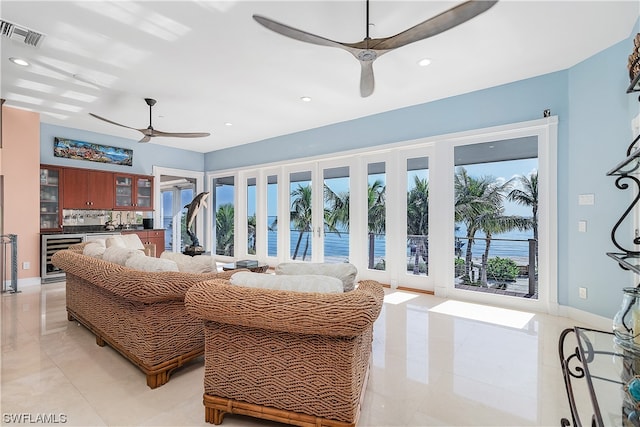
x=212, y=68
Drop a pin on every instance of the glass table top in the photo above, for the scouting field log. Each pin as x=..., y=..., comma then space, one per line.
x=609, y=368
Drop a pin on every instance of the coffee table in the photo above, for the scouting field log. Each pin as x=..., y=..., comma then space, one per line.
x=260, y=268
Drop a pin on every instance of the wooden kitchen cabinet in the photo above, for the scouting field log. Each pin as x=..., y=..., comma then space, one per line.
x=150, y=236
x=87, y=189
x=133, y=192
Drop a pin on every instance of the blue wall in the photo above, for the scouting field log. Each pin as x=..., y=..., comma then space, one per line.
x=145, y=156
x=514, y=102
x=594, y=131
x=599, y=133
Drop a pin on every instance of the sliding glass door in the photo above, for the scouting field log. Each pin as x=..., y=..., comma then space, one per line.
x=176, y=193
x=407, y=215
x=336, y=235
x=496, y=211
x=318, y=220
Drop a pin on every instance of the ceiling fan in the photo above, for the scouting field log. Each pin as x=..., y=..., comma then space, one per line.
x=149, y=132
x=368, y=50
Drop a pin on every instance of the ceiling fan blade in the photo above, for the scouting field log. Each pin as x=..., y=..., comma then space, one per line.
x=294, y=33
x=181, y=134
x=367, y=82
x=145, y=138
x=436, y=25
x=112, y=122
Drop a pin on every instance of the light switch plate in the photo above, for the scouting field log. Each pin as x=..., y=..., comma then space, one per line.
x=582, y=226
x=586, y=199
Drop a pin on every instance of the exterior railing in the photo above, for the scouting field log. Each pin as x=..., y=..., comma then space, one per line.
x=513, y=259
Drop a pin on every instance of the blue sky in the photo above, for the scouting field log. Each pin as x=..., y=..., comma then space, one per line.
x=505, y=171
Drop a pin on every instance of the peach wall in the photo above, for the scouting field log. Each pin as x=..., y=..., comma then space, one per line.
x=20, y=165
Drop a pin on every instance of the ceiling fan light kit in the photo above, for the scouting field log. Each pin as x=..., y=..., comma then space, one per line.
x=368, y=50
x=149, y=132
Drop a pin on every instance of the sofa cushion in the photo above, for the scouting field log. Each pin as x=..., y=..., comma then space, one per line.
x=344, y=271
x=93, y=249
x=99, y=241
x=192, y=264
x=129, y=241
x=132, y=241
x=120, y=255
x=150, y=264
x=115, y=241
x=298, y=283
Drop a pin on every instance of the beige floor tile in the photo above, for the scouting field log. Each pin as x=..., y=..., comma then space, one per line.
x=434, y=363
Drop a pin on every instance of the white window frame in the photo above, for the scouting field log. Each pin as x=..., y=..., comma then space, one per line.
x=439, y=149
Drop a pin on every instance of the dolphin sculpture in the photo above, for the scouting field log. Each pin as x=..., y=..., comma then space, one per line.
x=192, y=210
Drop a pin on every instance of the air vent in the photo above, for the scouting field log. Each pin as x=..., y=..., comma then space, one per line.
x=20, y=34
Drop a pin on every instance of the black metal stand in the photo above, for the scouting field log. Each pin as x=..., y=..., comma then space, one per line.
x=10, y=240
x=584, y=363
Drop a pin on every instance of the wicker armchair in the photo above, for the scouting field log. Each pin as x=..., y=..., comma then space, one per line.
x=293, y=357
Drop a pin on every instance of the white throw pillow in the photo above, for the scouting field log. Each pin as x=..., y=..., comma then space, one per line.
x=192, y=264
x=115, y=241
x=99, y=241
x=344, y=271
x=119, y=255
x=297, y=283
x=151, y=264
x=132, y=241
x=93, y=249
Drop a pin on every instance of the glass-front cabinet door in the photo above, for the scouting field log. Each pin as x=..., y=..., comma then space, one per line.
x=134, y=191
x=124, y=191
x=144, y=192
x=50, y=198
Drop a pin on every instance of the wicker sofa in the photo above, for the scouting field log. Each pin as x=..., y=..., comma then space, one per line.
x=300, y=358
x=139, y=314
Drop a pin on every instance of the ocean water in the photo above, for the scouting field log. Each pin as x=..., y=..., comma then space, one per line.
x=335, y=246
x=513, y=245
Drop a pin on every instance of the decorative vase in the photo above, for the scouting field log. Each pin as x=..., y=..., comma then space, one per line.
x=626, y=323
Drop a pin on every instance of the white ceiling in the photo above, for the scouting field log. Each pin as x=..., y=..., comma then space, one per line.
x=209, y=62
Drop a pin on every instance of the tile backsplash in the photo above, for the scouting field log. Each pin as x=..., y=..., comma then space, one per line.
x=73, y=217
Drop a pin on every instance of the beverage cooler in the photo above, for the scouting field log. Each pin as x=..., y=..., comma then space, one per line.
x=50, y=244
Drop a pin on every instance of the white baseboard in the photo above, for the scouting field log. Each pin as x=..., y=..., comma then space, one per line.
x=588, y=319
x=26, y=283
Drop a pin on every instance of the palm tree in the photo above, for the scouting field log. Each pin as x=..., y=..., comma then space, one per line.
x=376, y=202
x=336, y=211
x=418, y=220
x=474, y=199
x=526, y=194
x=224, y=229
x=251, y=231
x=301, y=215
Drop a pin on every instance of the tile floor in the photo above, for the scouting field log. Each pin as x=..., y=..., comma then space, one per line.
x=433, y=364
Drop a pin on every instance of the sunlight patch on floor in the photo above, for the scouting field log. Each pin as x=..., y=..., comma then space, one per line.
x=484, y=313
x=398, y=297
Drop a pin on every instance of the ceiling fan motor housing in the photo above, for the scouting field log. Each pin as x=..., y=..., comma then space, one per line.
x=367, y=55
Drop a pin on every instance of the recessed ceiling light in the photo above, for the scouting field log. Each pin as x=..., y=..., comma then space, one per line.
x=19, y=61
x=228, y=124
x=305, y=98
x=424, y=62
